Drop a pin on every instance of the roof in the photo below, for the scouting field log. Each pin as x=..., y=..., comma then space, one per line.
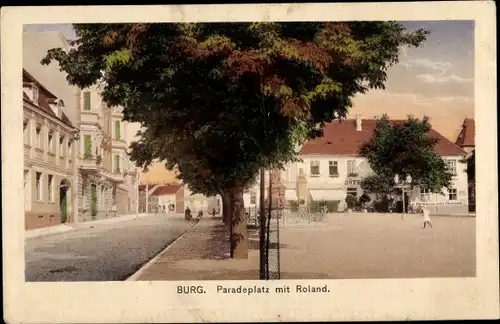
x=341, y=138
x=169, y=189
x=35, y=47
x=467, y=134
x=45, y=97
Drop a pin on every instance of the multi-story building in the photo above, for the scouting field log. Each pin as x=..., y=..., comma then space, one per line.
x=107, y=181
x=104, y=167
x=332, y=167
x=50, y=151
x=466, y=140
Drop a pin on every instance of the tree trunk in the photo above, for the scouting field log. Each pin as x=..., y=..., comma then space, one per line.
x=226, y=208
x=238, y=225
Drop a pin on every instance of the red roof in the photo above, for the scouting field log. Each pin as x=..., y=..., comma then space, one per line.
x=169, y=189
x=45, y=97
x=341, y=138
x=467, y=134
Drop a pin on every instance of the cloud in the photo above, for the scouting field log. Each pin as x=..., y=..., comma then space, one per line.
x=440, y=66
x=429, y=78
x=456, y=98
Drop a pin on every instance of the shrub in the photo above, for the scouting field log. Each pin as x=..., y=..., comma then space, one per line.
x=350, y=201
x=333, y=206
x=294, y=206
x=363, y=200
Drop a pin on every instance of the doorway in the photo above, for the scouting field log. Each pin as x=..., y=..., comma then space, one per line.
x=63, y=200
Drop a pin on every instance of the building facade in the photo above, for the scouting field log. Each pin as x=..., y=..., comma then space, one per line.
x=106, y=181
x=331, y=168
x=50, y=151
x=467, y=141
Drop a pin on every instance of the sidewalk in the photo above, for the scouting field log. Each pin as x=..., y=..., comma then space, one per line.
x=61, y=228
x=203, y=254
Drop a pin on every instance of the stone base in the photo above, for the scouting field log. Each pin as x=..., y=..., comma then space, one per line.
x=34, y=220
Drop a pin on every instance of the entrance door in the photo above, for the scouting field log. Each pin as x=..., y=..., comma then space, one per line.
x=63, y=201
x=93, y=207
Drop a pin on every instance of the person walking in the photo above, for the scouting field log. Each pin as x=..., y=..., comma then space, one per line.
x=427, y=216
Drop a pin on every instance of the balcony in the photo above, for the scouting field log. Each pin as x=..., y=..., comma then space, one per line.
x=119, y=143
x=115, y=176
x=90, y=164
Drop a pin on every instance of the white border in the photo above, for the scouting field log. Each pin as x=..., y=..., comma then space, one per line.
x=112, y=302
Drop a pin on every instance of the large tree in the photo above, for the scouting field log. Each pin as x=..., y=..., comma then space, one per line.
x=235, y=96
x=404, y=148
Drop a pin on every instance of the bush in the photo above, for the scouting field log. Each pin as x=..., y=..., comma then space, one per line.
x=350, y=201
x=317, y=206
x=294, y=206
x=333, y=206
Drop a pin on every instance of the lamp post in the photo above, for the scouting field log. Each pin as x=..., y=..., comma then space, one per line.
x=406, y=183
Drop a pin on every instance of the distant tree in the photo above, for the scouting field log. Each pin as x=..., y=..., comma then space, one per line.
x=232, y=95
x=471, y=166
x=402, y=149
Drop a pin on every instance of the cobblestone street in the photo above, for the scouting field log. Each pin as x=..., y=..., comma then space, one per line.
x=106, y=252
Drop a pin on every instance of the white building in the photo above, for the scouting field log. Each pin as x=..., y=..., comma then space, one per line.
x=332, y=167
x=105, y=181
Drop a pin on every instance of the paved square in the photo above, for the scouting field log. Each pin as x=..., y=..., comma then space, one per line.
x=353, y=246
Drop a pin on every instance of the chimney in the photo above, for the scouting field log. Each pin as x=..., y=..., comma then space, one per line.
x=358, y=123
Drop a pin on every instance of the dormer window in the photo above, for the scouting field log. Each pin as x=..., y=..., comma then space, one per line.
x=35, y=93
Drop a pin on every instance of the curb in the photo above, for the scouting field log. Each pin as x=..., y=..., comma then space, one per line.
x=151, y=262
x=64, y=228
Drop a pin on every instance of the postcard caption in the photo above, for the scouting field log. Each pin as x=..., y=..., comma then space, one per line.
x=254, y=289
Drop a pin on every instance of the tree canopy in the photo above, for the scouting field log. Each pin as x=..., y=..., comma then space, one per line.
x=404, y=148
x=222, y=100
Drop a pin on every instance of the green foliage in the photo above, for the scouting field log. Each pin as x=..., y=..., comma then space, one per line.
x=221, y=100
x=471, y=166
x=332, y=206
x=64, y=210
x=350, y=201
x=404, y=148
x=87, y=147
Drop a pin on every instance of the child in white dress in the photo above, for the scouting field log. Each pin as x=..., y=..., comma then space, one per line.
x=427, y=216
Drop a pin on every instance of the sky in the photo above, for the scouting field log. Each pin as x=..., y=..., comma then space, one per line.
x=435, y=80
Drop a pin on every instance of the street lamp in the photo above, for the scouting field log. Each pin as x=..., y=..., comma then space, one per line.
x=403, y=185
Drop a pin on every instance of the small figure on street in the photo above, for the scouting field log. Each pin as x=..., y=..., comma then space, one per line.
x=427, y=217
x=187, y=214
x=200, y=214
x=213, y=213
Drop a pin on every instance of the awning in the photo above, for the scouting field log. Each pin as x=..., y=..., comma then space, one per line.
x=290, y=194
x=325, y=194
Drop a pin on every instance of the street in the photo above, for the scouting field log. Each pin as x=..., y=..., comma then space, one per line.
x=107, y=252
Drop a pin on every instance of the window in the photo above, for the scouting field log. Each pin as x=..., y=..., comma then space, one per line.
x=117, y=129
x=61, y=146
x=27, y=190
x=38, y=186
x=26, y=132
x=35, y=94
x=253, y=198
x=425, y=195
x=38, y=136
x=87, y=142
x=117, y=164
x=452, y=166
x=50, y=140
x=351, y=168
x=50, y=187
x=452, y=194
x=86, y=100
x=333, y=168
x=352, y=191
x=314, y=168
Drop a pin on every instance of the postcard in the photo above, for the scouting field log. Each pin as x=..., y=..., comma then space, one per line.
x=249, y=162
